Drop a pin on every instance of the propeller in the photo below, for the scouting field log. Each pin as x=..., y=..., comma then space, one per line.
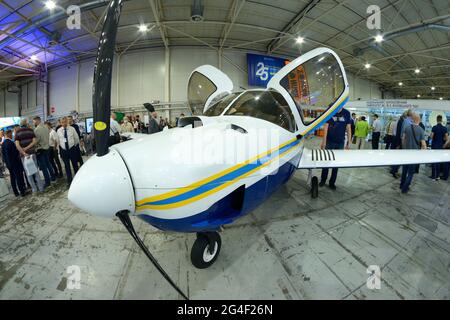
x=101, y=96
x=101, y=101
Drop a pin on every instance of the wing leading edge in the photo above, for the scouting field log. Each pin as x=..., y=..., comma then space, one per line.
x=317, y=158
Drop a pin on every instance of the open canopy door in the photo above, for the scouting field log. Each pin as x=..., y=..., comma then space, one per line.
x=206, y=83
x=314, y=85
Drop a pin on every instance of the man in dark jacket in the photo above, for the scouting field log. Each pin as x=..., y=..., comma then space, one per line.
x=13, y=162
x=153, y=125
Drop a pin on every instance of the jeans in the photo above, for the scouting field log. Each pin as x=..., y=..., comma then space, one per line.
x=389, y=141
x=435, y=170
x=35, y=180
x=45, y=166
x=334, y=171
x=54, y=161
x=407, y=176
x=394, y=145
x=375, y=140
x=446, y=170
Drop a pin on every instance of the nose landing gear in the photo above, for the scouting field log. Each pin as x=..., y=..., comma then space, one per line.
x=314, y=183
x=205, y=249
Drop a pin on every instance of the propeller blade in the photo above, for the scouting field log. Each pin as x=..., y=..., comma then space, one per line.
x=125, y=219
x=101, y=97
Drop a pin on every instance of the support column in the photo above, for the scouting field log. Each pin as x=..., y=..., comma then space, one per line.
x=77, y=96
x=167, y=83
x=219, y=56
x=117, y=80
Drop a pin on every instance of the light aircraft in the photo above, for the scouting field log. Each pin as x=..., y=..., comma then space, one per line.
x=156, y=178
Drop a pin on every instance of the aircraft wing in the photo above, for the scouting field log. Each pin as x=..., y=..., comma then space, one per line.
x=317, y=158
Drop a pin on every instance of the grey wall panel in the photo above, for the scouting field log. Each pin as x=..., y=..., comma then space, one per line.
x=12, y=104
x=63, y=89
x=140, y=77
x=183, y=62
x=85, y=86
x=31, y=93
x=2, y=103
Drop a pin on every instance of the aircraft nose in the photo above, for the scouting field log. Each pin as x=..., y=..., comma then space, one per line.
x=102, y=186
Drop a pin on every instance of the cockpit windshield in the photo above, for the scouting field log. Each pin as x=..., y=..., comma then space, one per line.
x=267, y=105
x=217, y=108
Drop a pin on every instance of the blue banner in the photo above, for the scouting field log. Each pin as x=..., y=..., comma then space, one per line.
x=262, y=68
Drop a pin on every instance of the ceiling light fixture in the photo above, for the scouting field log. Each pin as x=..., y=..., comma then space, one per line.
x=33, y=57
x=400, y=84
x=50, y=4
x=440, y=98
x=418, y=96
x=379, y=38
x=417, y=70
x=433, y=88
x=367, y=65
x=143, y=28
x=299, y=40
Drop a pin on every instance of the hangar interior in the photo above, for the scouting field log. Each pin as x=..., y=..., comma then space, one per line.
x=292, y=246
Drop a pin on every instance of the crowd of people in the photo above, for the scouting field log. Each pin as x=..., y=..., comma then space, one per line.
x=27, y=150
x=406, y=132
x=133, y=123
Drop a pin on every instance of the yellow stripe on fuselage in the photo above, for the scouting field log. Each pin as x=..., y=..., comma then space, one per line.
x=208, y=179
x=221, y=187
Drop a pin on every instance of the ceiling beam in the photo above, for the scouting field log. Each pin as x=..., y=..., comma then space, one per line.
x=157, y=14
x=297, y=19
x=235, y=9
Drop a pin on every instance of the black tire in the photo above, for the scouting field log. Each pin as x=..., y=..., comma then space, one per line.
x=199, y=247
x=314, y=187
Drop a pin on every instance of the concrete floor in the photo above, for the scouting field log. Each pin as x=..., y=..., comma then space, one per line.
x=292, y=247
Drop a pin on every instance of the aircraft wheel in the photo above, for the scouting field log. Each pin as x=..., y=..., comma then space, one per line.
x=314, y=187
x=206, y=249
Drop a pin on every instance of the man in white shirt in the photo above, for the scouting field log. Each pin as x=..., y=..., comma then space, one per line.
x=376, y=132
x=68, y=140
x=114, y=130
x=53, y=142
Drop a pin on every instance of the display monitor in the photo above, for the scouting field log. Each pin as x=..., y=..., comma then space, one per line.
x=89, y=122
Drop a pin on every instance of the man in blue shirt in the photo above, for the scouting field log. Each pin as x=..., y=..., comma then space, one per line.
x=334, y=138
x=439, y=134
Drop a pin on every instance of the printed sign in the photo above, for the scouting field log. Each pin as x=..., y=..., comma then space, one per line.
x=262, y=68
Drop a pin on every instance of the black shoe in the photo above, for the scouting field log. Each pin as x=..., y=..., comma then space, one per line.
x=321, y=183
x=332, y=187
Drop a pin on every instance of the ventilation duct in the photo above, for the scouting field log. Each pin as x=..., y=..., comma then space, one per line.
x=197, y=11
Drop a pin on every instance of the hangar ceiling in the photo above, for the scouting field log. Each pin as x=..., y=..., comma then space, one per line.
x=415, y=51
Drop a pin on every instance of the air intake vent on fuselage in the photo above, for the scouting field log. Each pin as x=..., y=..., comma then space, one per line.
x=190, y=121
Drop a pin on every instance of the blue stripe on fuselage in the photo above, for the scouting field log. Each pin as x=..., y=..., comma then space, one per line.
x=222, y=212
x=221, y=180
